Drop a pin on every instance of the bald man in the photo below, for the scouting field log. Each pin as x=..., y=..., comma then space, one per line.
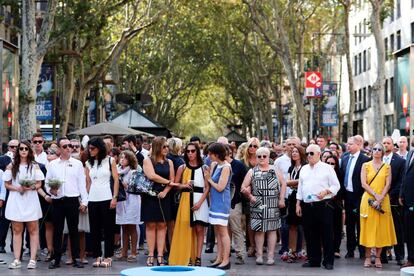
x=403, y=147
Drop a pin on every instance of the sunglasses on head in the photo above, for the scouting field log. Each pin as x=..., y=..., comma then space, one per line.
x=37, y=141
x=262, y=156
x=376, y=149
x=23, y=149
x=331, y=163
x=191, y=151
x=311, y=153
x=253, y=146
x=67, y=146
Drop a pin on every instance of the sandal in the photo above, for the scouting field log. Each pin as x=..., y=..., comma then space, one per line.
x=162, y=262
x=197, y=262
x=97, y=262
x=120, y=258
x=150, y=261
x=132, y=258
x=107, y=262
x=69, y=262
x=378, y=263
x=367, y=262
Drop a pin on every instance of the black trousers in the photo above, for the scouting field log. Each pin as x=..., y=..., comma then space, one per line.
x=317, y=219
x=397, y=217
x=211, y=238
x=352, y=204
x=337, y=225
x=101, y=217
x=409, y=230
x=66, y=207
x=4, y=226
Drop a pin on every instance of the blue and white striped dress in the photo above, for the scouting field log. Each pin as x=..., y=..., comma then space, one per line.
x=220, y=201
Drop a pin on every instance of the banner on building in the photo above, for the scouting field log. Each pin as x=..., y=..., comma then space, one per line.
x=403, y=91
x=44, y=101
x=330, y=105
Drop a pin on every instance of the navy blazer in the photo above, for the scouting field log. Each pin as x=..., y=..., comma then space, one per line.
x=407, y=187
x=4, y=161
x=356, y=174
x=397, y=172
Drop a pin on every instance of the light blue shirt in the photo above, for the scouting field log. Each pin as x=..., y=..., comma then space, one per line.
x=350, y=187
x=2, y=187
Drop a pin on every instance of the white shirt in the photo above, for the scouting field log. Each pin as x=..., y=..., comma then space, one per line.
x=10, y=154
x=145, y=153
x=314, y=180
x=404, y=156
x=100, y=189
x=283, y=164
x=350, y=187
x=41, y=158
x=2, y=187
x=72, y=174
x=387, y=158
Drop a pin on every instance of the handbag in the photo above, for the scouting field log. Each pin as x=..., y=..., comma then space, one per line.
x=121, y=190
x=141, y=185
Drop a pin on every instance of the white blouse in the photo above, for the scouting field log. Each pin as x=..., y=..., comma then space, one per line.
x=100, y=189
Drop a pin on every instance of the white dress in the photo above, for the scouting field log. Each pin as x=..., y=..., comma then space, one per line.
x=129, y=210
x=23, y=207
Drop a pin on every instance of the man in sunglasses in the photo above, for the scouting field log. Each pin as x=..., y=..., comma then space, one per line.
x=318, y=184
x=39, y=153
x=75, y=148
x=12, y=149
x=351, y=165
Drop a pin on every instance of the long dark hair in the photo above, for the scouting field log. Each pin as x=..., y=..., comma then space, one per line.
x=157, y=147
x=98, y=143
x=198, y=151
x=17, y=160
x=302, y=155
x=336, y=168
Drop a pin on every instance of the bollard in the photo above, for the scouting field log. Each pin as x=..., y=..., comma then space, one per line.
x=407, y=271
x=172, y=270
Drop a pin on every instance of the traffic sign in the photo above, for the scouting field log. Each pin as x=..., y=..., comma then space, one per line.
x=313, y=79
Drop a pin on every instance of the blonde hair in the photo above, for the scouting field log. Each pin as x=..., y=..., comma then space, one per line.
x=247, y=154
x=175, y=145
x=157, y=146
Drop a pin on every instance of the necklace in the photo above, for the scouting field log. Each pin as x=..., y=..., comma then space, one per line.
x=376, y=166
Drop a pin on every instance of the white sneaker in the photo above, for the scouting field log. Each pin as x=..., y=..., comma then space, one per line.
x=270, y=261
x=15, y=264
x=31, y=264
x=259, y=260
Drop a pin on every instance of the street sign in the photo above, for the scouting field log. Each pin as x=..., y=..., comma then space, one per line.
x=318, y=92
x=313, y=79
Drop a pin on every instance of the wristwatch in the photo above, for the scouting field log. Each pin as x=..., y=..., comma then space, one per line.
x=115, y=197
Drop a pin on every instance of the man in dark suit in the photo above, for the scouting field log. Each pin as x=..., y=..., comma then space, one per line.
x=407, y=201
x=397, y=164
x=351, y=183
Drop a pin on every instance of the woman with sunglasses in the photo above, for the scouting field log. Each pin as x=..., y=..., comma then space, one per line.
x=298, y=159
x=266, y=190
x=23, y=204
x=156, y=210
x=325, y=155
x=338, y=204
x=250, y=161
x=99, y=169
x=377, y=226
x=192, y=217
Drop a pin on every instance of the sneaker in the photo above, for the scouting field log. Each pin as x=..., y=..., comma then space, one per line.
x=31, y=264
x=239, y=260
x=270, y=261
x=44, y=252
x=259, y=260
x=285, y=256
x=15, y=264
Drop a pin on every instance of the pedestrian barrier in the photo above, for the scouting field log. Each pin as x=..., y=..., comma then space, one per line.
x=407, y=271
x=174, y=270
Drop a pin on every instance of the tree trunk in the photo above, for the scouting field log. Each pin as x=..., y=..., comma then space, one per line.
x=347, y=6
x=378, y=86
x=67, y=96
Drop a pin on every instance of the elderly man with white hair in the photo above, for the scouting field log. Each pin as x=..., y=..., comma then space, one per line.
x=318, y=184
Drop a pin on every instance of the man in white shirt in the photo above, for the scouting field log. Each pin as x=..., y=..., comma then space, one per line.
x=37, y=144
x=65, y=200
x=402, y=147
x=12, y=148
x=318, y=184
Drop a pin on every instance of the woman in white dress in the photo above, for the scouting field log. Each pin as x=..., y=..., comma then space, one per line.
x=23, y=204
x=128, y=212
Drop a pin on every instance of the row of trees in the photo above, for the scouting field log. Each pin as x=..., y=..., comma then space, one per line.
x=228, y=60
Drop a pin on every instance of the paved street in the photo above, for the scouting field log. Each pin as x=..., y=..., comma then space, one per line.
x=342, y=267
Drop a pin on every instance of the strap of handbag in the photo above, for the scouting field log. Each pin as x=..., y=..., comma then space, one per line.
x=369, y=184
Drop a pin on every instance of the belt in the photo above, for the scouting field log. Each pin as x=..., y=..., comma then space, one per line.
x=195, y=190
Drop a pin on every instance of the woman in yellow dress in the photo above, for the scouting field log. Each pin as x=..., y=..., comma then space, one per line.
x=193, y=211
x=377, y=226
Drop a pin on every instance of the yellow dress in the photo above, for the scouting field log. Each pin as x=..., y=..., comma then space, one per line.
x=184, y=240
x=377, y=229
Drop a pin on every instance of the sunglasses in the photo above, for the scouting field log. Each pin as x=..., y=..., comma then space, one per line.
x=253, y=146
x=92, y=148
x=23, y=149
x=331, y=163
x=191, y=151
x=376, y=149
x=51, y=152
x=67, y=146
x=75, y=146
x=165, y=147
x=37, y=142
x=262, y=156
x=13, y=147
x=311, y=153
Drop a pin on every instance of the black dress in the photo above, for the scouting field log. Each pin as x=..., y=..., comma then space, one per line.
x=292, y=218
x=154, y=209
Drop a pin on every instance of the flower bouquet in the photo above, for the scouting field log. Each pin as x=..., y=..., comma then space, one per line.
x=26, y=183
x=54, y=184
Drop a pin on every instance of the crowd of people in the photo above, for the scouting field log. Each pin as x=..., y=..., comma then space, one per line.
x=70, y=196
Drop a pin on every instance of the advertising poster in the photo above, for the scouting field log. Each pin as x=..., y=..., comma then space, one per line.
x=44, y=102
x=330, y=105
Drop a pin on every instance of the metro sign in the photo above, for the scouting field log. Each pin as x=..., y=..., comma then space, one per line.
x=313, y=80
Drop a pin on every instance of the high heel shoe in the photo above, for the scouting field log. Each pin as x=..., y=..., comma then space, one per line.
x=378, y=263
x=367, y=262
x=162, y=262
x=216, y=264
x=150, y=261
x=97, y=262
x=107, y=262
x=225, y=267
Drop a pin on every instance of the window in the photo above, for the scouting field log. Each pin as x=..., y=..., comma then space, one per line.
x=364, y=62
x=398, y=40
x=359, y=99
x=356, y=100
x=369, y=96
x=388, y=127
x=369, y=59
x=365, y=26
x=386, y=91
x=356, y=65
x=386, y=48
x=392, y=90
x=398, y=8
x=392, y=43
x=359, y=63
x=364, y=98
